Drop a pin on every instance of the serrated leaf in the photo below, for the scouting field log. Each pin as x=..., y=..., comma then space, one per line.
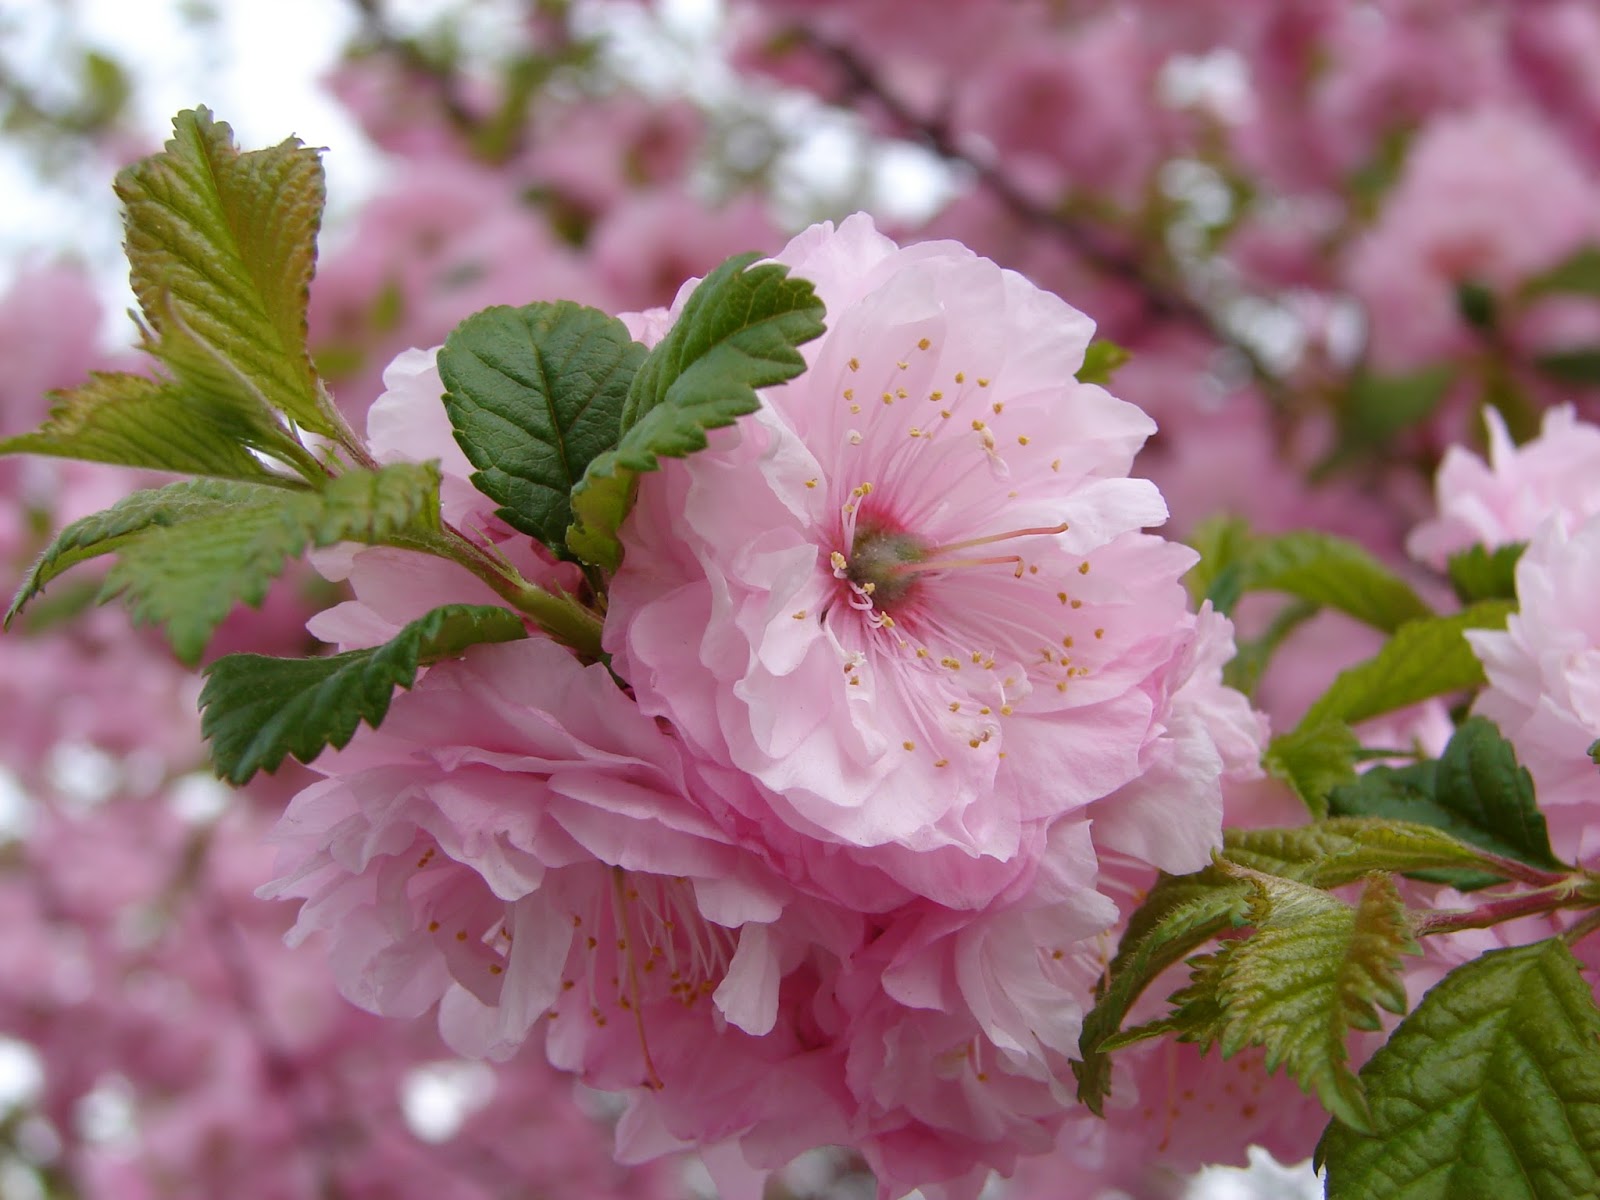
x=1423, y=659
x=189, y=576
x=256, y=710
x=1476, y=792
x=1314, y=969
x=1490, y=1090
x=1313, y=759
x=104, y=532
x=1340, y=850
x=1481, y=574
x=132, y=421
x=738, y=331
x=1179, y=914
x=222, y=246
x=1334, y=573
x=1101, y=360
x=535, y=394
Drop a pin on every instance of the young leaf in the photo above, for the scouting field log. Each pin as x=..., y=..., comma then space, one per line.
x=1479, y=574
x=189, y=576
x=1334, y=573
x=1101, y=360
x=534, y=394
x=1313, y=759
x=131, y=421
x=1180, y=914
x=1476, y=792
x=1424, y=658
x=104, y=532
x=1340, y=850
x=256, y=709
x=738, y=331
x=1490, y=1090
x=222, y=246
x=1314, y=969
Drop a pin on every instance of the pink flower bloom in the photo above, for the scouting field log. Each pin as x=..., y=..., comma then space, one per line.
x=1504, y=500
x=1490, y=198
x=1544, y=679
x=909, y=597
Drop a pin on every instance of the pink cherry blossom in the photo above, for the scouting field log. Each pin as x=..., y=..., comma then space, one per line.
x=1504, y=500
x=910, y=597
x=1491, y=198
x=1544, y=679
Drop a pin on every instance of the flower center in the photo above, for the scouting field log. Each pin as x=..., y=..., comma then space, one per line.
x=878, y=562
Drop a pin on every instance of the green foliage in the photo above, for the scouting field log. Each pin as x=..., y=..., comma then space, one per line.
x=738, y=331
x=256, y=709
x=186, y=555
x=1314, y=969
x=535, y=394
x=1378, y=407
x=104, y=532
x=1577, y=366
x=1333, y=573
x=1314, y=758
x=1424, y=658
x=1490, y=1090
x=1180, y=914
x=1101, y=360
x=1476, y=792
x=221, y=246
x=1224, y=545
x=1340, y=850
x=132, y=421
x=1577, y=275
x=1478, y=574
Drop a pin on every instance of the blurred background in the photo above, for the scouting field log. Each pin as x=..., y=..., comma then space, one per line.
x=1326, y=233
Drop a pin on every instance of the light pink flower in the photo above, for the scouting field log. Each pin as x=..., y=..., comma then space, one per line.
x=1544, y=679
x=1495, y=503
x=1491, y=198
x=909, y=596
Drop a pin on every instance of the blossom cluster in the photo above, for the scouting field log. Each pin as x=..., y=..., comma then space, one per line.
x=816, y=857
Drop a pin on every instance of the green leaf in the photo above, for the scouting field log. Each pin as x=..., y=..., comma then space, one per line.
x=1476, y=792
x=188, y=576
x=1578, y=366
x=1424, y=658
x=1490, y=1090
x=1224, y=544
x=1180, y=914
x=1479, y=574
x=255, y=710
x=534, y=394
x=1379, y=406
x=1313, y=759
x=1339, y=850
x=106, y=531
x=132, y=421
x=1101, y=360
x=1314, y=969
x=738, y=331
x=1578, y=275
x=222, y=246
x=1333, y=573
